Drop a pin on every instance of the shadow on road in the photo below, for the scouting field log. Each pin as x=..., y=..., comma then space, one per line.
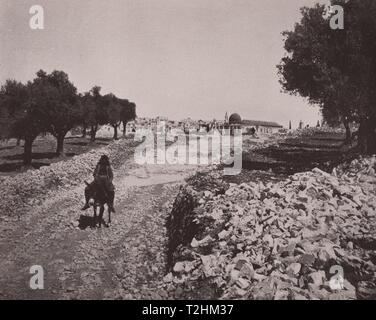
x=86, y=222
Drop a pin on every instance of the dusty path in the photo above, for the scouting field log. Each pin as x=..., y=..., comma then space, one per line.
x=124, y=261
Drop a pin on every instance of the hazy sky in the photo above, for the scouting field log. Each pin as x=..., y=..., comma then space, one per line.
x=177, y=58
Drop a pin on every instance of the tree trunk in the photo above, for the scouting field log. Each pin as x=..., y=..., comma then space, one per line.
x=93, y=133
x=28, y=146
x=124, y=128
x=115, y=132
x=348, y=131
x=84, y=131
x=60, y=144
x=367, y=136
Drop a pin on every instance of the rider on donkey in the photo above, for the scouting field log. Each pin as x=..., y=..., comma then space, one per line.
x=103, y=177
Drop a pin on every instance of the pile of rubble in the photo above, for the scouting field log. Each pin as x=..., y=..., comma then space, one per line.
x=260, y=142
x=31, y=187
x=310, y=236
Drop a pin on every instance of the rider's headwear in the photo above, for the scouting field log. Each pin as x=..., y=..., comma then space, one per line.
x=104, y=160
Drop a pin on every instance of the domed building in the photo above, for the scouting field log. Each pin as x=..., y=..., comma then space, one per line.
x=235, y=119
x=252, y=126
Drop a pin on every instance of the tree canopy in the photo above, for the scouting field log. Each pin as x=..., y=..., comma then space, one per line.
x=335, y=68
x=50, y=103
x=56, y=99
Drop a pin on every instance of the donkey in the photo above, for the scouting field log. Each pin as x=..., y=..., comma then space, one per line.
x=101, y=198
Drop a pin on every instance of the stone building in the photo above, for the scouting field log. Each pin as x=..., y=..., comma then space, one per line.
x=253, y=126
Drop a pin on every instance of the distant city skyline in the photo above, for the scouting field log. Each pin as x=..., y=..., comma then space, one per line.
x=175, y=58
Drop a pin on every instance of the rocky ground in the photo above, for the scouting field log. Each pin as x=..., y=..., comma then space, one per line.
x=311, y=235
x=259, y=235
x=11, y=155
x=124, y=261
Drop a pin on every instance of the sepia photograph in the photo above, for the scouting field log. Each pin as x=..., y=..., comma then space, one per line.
x=188, y=155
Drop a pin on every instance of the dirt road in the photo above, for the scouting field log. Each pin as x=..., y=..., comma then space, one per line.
x=126, y=260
